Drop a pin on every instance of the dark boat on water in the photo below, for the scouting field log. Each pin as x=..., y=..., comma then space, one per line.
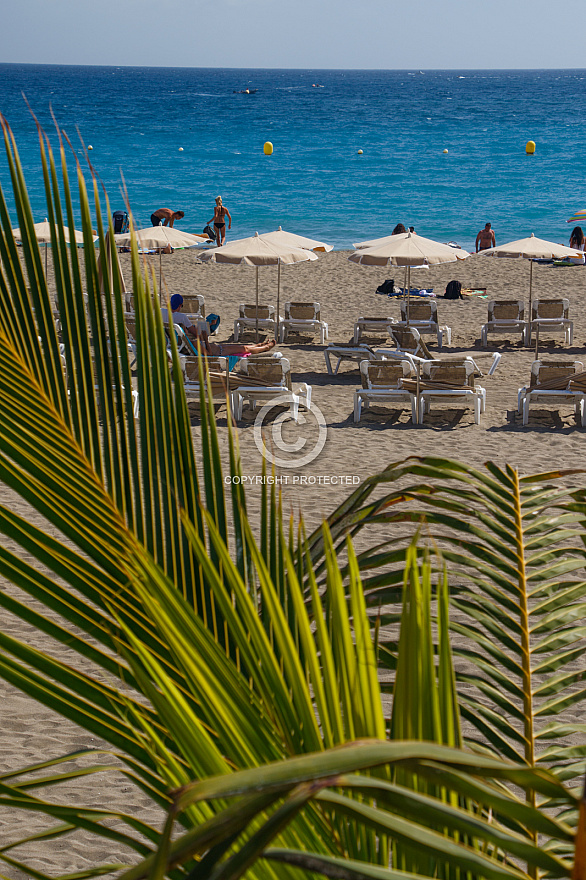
x=244, y=91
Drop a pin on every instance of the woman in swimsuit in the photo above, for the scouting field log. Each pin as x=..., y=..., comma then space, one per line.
x=577, y=238
x=220, y=213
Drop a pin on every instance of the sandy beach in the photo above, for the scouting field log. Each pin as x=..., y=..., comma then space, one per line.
x=346, y=291
x=352, y=451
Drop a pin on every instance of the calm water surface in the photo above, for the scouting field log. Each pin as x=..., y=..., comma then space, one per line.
x=315, y=182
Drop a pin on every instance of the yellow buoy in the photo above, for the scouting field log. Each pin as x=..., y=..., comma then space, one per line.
x=360, y=152
x=180, y=149
x=90, y=147
x=445, y=151
x=268, y=149
x=530, y=147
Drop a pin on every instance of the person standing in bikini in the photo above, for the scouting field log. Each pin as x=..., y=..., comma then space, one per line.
x=219, y=218
x=485, y=239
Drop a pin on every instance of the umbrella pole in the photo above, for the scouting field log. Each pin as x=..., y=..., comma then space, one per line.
x=278, y=300
x=228, y=397
x=530, y=295
x=160, y=276
x=46, y=275
x=256, y=304
x=536, y=342
x=408, y=291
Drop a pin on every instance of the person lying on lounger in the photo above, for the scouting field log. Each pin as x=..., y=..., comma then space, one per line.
x=216, y=349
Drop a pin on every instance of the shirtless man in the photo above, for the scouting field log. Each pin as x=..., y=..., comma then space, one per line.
x=166, y=217
x=485, y=239
x=221, y=349
x=219, y=218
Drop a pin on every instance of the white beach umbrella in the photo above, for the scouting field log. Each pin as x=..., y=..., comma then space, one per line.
x=291, y=239
x=258, y=251
x=407, y=250
x=159, y=238
x=43, y=235
x=379, y=242
x=531, y=248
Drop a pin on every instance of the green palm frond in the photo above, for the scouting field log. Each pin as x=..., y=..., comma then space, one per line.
x=227, y=674
x=515, y=548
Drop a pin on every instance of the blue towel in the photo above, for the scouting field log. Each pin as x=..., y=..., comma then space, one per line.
x=213, y=321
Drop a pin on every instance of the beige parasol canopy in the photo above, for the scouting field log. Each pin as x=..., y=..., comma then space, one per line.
x=153, y=237
x=407, y=250
x=257, y=251
x=158, y=238
x=531, y=248
x=43, y=235
x=281, y=237
x=376, y=242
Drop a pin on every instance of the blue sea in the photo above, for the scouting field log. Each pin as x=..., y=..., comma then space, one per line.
x=315, y=182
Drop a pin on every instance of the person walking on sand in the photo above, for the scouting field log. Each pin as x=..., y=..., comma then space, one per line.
x=219, y=218
x=485, y=239
x=166, y=217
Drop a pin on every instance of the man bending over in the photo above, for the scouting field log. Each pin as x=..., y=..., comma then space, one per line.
x=166, y=217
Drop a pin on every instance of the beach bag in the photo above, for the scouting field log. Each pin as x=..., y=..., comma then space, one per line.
x=387, y=286
x=453, y=290
x=209, y=232
x=120, y=222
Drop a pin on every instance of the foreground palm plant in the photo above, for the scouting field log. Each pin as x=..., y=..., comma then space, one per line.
x=212, y=667
x=515, y=547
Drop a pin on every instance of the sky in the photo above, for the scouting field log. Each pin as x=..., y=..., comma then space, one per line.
x=313, y=34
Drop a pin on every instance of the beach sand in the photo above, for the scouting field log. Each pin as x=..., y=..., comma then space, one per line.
x=345, y=291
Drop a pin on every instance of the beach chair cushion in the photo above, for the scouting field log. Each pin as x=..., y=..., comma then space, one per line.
x=251, y=312
x=383, y=374
x=506, y=310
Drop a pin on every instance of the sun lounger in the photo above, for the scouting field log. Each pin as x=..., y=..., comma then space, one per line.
x=271, y=381
x=303, y=318
x=130, y=324
x=250, y=318
x=408, y=339
x=382, y=382
x=505, y=316
x=363, y=326
x=194, y=306
x=357, y=353
x=552, y=316
x=217, y=368
x=449, y=382
x=423, y=316
x=554, y=383
x=185, y=344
